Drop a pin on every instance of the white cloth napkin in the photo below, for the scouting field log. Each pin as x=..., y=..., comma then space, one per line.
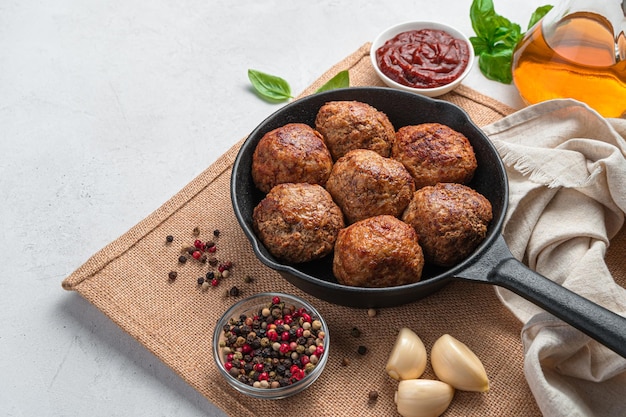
x=567, y=176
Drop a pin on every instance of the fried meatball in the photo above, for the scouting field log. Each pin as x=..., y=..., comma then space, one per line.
x=434, y=153
x=298, y=222
x=450, y=220
x=365, y=184
x=295, y=153
x=380, y=251
x=348, y=125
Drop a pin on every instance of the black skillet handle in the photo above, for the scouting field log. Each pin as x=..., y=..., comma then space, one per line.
x=597, y=322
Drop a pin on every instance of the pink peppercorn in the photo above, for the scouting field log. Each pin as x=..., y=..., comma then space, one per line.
x=276, y=300
x=284, y=336
x=284, y=348
x=319, y=351
x=246, y=348
x=306, y=317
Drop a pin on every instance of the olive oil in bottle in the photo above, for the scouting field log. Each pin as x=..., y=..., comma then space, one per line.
x=579, y=58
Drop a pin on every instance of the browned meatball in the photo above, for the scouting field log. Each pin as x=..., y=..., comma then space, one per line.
x=380, y=251
x=365, y=184
x=298, y=222
x=348, y=125
x=450, y=220
x=434, y=153
x=291, y=153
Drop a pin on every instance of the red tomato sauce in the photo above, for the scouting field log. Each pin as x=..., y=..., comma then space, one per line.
x=423, y=58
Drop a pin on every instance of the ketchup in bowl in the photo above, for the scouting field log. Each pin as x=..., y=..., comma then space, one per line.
x=424, y=58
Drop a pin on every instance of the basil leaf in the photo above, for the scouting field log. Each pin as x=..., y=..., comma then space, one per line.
x=538, y=15
x=481, y=11
x=269, y=86
x=340, y=80
x=497, y=65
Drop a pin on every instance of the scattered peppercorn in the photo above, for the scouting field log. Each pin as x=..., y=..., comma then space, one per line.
x=345, y=362
x=196, y=231
x=355, y=332
x=200, y=280
x=182, y=259
x=234, y=291
x=361, y=350
x=216, y=233
x=371, y=312
x=372, y=396
x=172, y=275
x=248, y=279
x=169, y=238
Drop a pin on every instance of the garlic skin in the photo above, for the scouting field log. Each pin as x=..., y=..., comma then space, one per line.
x=423, y=397
x=455, y=363
x=407, y=359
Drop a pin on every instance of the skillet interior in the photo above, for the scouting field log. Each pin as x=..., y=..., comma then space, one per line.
x=402, y=108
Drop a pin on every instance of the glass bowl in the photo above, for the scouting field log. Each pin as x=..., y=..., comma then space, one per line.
x=392, y=31
x=274, y=360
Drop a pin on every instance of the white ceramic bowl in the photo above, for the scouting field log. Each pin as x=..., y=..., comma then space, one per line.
x=407, y=26
x=250, y=307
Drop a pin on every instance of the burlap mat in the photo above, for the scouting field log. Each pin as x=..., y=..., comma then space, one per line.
x=127, y=280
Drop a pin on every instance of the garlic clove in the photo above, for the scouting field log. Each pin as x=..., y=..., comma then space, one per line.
x=455, y=363
x=423, y=397
x=407, y=359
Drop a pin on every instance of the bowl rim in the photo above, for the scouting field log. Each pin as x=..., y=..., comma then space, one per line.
x=269, y=393
x=396, y=29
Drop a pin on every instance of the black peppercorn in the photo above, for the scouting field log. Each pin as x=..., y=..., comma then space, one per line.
x=355, y=332
x=234, y=291
x=169, y=238
x=200, y=280
x=182, y=259
x=362, y=350
x=216, y=232
x=372, y=396
x=172, y=275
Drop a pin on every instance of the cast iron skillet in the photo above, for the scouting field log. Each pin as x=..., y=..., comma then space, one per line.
x=490, y=263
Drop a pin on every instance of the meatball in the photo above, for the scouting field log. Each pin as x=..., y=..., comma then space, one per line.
x=297, y=222
x=365, y=184
x=450, y=220
x=434, y=153
x=380, y=251
x=295, y=153
x=348, y=125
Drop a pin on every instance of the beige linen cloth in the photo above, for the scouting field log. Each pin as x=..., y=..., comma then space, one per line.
x=568, y=374
x=567, y=175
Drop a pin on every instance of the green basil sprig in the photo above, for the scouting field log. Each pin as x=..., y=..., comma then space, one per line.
x=269, y=86
x=273, y=88
x=496, y=39
x=341, y=80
